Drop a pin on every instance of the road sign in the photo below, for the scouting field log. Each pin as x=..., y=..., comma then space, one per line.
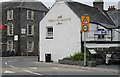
x=85, y=25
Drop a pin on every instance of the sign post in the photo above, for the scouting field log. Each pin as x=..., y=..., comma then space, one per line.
x=85, y=27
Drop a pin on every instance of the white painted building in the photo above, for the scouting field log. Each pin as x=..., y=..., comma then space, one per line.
x=60, y=33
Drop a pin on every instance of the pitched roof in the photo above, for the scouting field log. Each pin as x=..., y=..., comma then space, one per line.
x=96, y=16
x=115, y=15
x=28, y=5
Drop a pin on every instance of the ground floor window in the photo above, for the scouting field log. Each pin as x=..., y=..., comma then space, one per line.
x=10, y=45
x=101, y=36
x=30, y=46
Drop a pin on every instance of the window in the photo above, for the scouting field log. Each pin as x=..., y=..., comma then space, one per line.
x=9, y=14
x=10, y=45
x=9, y=29
x=101, y=36
x=30, y=29
x=49, y=33
x=30, y=15
x=30, y=46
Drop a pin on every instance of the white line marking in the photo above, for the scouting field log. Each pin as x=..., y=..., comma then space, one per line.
x=12, y=60
x=9, y=72
x=13, y=66
x=33, y=67
x=55, y=68
x=32, y=72
x=5, y=63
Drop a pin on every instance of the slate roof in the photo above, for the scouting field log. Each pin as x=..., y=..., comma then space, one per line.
x=115, y=15
x=28, y=5
x=96, y=16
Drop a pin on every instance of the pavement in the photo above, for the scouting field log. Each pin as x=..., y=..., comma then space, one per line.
x=106, y=68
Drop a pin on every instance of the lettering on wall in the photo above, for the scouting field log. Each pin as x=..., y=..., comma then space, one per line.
x=60, y=19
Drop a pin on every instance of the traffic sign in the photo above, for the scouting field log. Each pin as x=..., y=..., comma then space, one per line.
x=85, y=23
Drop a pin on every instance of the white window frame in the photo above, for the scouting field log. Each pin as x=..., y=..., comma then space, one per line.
x=32, y=46
x=32, y=29
x=10, y=15
x=8, y=29
x=32, y=15
x=8, y=45
x=49, y=35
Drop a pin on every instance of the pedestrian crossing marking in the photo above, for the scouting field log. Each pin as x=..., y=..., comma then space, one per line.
x=9, y=72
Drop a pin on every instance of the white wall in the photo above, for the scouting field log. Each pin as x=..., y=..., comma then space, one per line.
x=66, y=39
x=116, y=35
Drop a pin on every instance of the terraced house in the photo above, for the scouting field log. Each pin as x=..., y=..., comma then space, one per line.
x=21, y=24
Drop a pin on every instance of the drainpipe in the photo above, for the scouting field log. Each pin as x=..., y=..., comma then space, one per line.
x=111, y=35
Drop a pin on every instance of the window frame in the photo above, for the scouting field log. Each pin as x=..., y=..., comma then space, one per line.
x=32, y=29
x=8, y=29
x=10, y=14
x=49, y=35
x=32, y=46
x=32, y=15
x=10, y=45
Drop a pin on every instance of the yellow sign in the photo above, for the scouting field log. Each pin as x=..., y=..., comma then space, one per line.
x=85, y=23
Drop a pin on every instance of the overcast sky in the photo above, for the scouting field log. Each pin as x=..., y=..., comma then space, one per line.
x=108, y=3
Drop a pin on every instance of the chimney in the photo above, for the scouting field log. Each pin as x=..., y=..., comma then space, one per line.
x=111, y=8
x=99, y=4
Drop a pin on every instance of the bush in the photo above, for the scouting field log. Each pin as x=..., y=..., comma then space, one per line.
x=77, y=57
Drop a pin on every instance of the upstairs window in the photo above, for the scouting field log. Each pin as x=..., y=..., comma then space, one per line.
x=9, y=29
x=30, y=15
x=9, y=14
x=30, y=29
x=49, y=33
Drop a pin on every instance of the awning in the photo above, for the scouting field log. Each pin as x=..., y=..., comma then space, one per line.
x=92, y=51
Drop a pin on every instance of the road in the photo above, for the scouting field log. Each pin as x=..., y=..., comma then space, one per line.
x=30, y=66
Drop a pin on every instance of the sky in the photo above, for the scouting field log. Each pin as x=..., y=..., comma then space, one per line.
x=107, y=3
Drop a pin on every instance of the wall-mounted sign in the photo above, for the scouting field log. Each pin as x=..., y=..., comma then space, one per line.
x=96, y=32
x=23, y=31
x=15, y=37
x=60, y=19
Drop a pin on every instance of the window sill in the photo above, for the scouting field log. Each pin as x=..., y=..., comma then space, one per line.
x=30, y=35
x=9, y=19
x=9, y=35
x=49, y=37
x=30, y=19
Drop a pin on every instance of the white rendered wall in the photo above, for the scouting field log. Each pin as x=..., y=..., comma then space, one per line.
x=66, y=38
x=116, y=35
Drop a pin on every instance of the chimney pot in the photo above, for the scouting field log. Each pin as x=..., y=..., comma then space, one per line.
x=111, y=8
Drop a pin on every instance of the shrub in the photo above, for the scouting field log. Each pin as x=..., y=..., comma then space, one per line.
x=77, y=57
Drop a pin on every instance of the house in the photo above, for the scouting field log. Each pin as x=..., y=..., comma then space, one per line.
x=21, y=22
x=60, y=31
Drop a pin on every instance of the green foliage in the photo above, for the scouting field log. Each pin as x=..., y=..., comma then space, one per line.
x=77, y=57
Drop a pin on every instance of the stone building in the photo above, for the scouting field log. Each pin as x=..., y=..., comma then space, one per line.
x=21, y=27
